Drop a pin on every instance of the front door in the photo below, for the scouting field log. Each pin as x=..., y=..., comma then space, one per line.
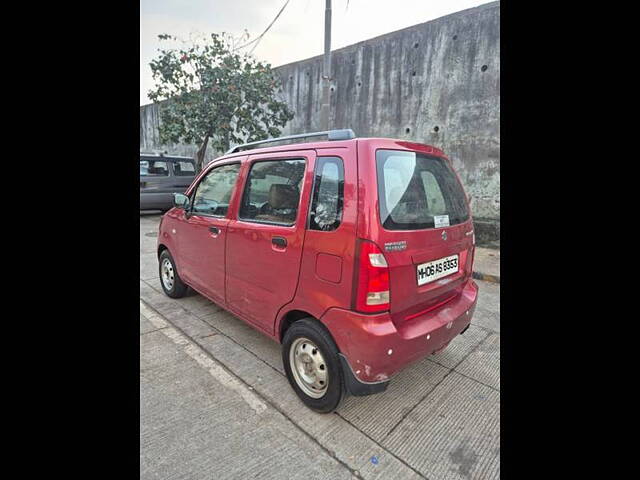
x=264, y=244
x=204, y=229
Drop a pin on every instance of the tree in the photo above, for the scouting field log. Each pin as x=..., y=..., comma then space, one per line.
x=211, y=93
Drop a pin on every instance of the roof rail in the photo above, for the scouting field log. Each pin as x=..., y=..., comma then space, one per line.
x=343, y=134
x=157, y=153
x=162, y=153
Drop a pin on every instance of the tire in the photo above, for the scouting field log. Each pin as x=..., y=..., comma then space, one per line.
x=171, y=284
x=307, y=336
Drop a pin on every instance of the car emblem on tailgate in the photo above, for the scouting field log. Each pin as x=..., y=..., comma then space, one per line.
x=444, y=235
x=395, y=246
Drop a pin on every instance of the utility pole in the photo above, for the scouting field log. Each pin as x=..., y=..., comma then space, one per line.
x=326, y=71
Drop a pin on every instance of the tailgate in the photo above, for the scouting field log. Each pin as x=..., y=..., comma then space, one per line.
x=426, y=234
x=430, y=271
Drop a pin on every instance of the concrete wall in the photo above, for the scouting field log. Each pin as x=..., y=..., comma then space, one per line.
x=436, y=83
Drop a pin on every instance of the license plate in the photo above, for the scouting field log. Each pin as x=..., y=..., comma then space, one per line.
x=430, y=271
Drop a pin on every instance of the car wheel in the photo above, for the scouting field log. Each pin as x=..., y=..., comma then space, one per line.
x=311, y=362
x=169, y=279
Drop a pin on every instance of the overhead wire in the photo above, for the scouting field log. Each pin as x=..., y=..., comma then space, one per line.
x=259, y=37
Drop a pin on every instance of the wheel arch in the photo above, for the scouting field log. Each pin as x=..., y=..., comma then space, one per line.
x=289, y=319
x=161, y=248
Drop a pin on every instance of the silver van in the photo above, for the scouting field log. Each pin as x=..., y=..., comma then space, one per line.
x=161, y=176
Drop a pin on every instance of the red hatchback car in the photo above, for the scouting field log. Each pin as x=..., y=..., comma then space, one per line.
x=355, y=254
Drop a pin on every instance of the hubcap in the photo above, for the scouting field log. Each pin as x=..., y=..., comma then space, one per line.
x=309, y=367
x=167, y=274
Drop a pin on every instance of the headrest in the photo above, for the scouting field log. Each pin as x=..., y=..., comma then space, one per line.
x=282, y=195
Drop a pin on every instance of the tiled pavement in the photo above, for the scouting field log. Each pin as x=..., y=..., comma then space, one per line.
x=439, y=418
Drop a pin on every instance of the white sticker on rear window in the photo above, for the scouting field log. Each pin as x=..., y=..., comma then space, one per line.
x=441, y=221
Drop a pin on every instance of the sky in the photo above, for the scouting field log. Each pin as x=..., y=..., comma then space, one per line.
x=297, y=34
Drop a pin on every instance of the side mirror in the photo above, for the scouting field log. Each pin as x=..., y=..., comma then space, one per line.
x=180, y=201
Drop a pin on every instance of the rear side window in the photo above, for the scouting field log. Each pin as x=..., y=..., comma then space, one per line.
x=272, y=192
x=184, y=168
x=150, y=167
x=213, y=193
x=418, y=191
x=328, y=194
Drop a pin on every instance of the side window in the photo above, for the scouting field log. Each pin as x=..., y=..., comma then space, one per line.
x=328, y=194
x=184, y=168
x=213, y=193
x=272, y=192
x=154, y=167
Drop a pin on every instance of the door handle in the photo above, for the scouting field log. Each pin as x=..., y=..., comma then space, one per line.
x=215, y=230
x=279, y=241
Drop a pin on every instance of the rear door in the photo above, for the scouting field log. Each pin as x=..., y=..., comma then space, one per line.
x=156, y=183
x=426, y=230
x=184, y=171
x=264, y=244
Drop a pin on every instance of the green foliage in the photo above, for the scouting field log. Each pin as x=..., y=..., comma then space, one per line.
x=211, y=92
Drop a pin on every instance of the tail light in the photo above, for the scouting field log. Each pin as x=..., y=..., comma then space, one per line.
x=373, y=280
x=466, y=260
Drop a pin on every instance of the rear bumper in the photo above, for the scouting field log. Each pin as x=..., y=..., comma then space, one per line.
x=357, y=387
x=374, y=348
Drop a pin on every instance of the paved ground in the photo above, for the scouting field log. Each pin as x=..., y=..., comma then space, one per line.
x=486, y=262
x=215, y=402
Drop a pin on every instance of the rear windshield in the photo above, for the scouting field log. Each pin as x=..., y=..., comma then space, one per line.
x=418, y=191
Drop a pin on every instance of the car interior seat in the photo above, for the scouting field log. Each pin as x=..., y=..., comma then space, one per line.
x=282, y=204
